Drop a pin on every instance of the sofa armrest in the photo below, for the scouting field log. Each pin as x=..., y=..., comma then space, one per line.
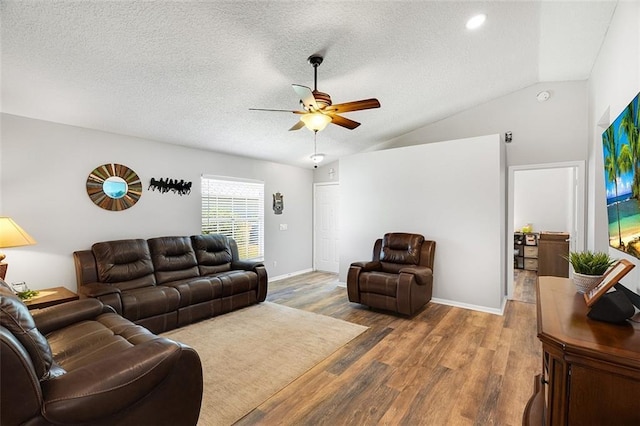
x=246, y=265
x=109, y=295
x=353, y=277
x=367, y=266
x=109, y=385
x=97, y=289
x=86, y=269
x=59, y=316
x=259, y=269
x=422, y=274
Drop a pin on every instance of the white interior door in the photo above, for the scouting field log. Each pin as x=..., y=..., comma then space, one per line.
x=326, y=236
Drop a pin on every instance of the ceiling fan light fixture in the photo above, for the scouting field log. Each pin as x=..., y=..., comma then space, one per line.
x=317, y=158
x=476, y=21
x=315, y=121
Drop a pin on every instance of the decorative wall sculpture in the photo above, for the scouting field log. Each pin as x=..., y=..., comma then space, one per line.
x=278, y=203
x=165, y=185
x=114, y=187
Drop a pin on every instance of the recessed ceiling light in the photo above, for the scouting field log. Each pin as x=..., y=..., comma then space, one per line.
x=476, y=21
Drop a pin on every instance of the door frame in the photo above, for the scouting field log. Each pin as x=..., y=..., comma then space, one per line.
x=578, y=240
x=315, y=220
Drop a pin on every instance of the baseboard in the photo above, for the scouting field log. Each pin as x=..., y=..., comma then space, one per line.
x=494, y=311
x=479, y=308
x=292, y=274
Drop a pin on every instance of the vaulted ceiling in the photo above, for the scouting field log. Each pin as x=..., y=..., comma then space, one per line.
x=187, y=72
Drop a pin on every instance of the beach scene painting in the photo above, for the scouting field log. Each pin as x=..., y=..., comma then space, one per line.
x=621, y=154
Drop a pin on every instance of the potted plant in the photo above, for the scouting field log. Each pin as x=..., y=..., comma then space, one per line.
x=588, y=268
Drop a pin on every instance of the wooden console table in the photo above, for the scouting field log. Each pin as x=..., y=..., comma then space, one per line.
x=590, y=369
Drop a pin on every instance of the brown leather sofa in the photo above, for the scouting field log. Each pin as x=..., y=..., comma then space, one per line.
x=167, y=282
x=81, y=363
x=400, y=276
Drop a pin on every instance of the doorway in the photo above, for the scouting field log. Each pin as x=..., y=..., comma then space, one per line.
x=569, y=180
x=326, y=203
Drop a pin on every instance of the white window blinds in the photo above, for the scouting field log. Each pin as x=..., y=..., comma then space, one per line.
x=235, y=208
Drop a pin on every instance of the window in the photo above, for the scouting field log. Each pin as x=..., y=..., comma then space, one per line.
x=235, y=208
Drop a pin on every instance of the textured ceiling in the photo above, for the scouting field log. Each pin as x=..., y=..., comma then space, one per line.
x=187, y=72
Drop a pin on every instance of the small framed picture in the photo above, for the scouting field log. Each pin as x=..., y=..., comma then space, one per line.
x=611, y=277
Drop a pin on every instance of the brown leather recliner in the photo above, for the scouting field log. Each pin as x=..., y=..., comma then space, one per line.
x=400, y=276
x=81, y=363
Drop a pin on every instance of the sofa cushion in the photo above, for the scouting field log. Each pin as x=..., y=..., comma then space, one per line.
x=212, y=252
x=379, y=283
x=173, y=258
x=85, y=342
x=236, y=282
x=124, y=263
x=399, y=249
x=146, y=302
x=197, y=290
x=15, y=317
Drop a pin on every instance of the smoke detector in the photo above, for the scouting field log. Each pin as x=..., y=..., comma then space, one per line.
x=543, y=96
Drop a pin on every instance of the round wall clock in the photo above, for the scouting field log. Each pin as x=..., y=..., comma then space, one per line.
x=114, y=187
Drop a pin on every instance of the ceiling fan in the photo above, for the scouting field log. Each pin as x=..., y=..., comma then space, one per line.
x=317, y=109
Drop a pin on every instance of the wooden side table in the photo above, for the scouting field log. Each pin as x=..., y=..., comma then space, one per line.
x=50, y=296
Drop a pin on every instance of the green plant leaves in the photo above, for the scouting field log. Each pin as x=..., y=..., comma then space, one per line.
x=590, y=263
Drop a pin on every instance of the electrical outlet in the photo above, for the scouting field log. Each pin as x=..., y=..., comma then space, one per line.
x=275, y=263
x=283, y=226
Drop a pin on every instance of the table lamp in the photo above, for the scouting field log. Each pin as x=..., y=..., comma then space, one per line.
x=11, y=235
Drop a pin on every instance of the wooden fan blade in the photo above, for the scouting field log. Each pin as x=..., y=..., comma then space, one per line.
x=306, y=97
x=344, y=122
x=277, y=110
x=353, y=106
x=299, y=125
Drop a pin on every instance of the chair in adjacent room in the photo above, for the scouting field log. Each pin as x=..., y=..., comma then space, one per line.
x=399, y=278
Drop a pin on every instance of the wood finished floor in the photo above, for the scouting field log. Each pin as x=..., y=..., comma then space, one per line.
x=444, y=366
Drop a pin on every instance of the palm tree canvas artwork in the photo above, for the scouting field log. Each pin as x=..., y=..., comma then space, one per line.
x=621, y=153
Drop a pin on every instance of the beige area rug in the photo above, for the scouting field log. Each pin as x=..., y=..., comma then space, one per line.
x=250, y=354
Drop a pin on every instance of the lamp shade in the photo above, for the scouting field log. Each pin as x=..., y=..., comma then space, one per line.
x=11, y=235
x=315, y=121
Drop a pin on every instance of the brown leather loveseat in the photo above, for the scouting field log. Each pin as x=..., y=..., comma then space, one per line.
x=167, y=282
x=399, y=278
x=81, y=363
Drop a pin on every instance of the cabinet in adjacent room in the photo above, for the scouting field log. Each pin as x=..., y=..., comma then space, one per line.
x=518, y=250
x=553, y=249
x=525, y=251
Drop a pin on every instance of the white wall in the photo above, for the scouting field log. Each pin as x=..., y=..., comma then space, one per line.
x=329, y=172
x=548, y=132
x=614, y=82
x=536, y=191
x=451, y=192
x=543, y=132
x=42, y=186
